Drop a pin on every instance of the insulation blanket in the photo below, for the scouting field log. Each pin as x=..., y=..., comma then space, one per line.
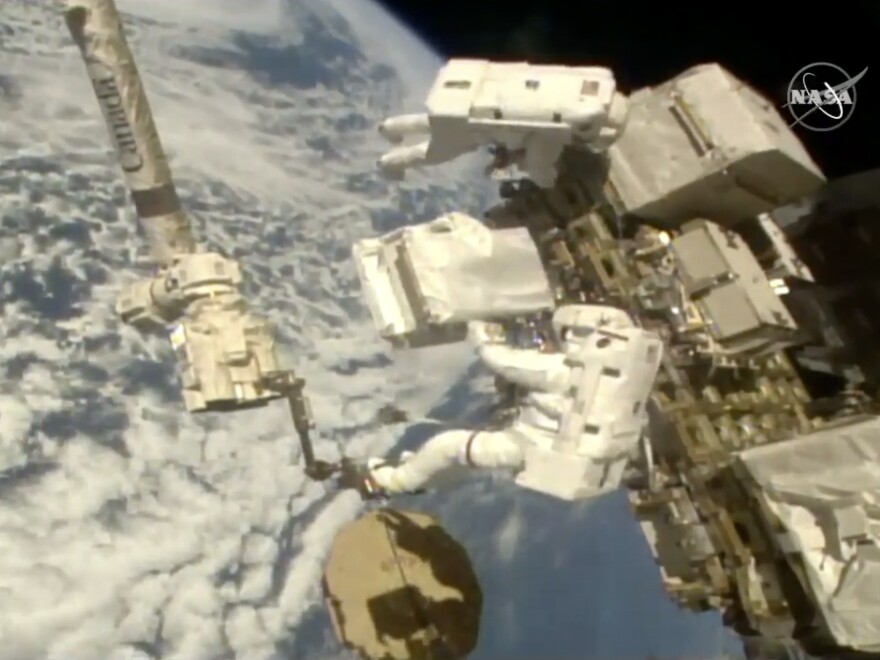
x=825, y=490
x=465, y=271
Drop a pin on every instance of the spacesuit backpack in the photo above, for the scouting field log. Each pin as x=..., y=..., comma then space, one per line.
x=612, y=367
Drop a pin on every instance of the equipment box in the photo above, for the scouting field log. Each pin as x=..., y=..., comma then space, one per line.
x=723, y=277
x=424, y=283
x=705, y=145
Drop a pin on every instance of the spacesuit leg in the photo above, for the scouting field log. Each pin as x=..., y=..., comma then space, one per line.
x=395, y=129
x=396, y=161
x=477, y=449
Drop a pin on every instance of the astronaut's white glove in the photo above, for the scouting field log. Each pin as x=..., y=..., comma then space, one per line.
x=383, y=476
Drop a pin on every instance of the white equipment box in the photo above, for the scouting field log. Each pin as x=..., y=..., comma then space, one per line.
x=424, y=283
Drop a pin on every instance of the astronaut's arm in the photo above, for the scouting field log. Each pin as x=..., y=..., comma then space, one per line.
x=425, y=468
x=529, y=368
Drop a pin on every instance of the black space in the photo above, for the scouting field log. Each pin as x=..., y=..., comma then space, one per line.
x=764, y=43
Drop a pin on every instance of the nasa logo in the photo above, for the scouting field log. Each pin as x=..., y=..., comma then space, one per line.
x=822, y=96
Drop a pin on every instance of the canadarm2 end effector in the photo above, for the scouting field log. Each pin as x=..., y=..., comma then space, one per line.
x=224, y=351
x=151, y=305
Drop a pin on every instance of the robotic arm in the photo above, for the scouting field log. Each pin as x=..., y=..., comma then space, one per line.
x=225, y=352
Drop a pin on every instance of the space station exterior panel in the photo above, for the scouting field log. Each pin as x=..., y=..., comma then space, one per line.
x=425, y=282
x=824, y=490
x=705, y=145
x=722, y=275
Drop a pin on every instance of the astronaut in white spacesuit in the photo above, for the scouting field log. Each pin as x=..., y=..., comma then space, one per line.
x=579, y=424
